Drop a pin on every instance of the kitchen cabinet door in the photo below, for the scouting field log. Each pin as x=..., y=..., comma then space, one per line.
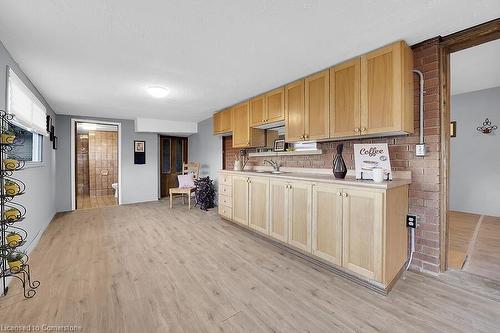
x=363, y=212
x=217, y=123
x=227, y=120
x=299, y=212
x=327, y=223
x=258, y=207
x=317, y=106
x=278, y=209
x=345, y=97
x=294, y=111
x=387, y=90
x=240, y=199
x=241, y=125
x=275, y=105
x=258, y=112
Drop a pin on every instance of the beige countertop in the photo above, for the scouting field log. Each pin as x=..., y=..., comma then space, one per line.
x=324, y=177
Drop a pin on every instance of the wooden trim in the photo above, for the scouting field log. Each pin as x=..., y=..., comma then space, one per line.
x=470, y=37
x=464, y=39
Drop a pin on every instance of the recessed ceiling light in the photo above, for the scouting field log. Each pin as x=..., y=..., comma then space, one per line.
x=157, y=91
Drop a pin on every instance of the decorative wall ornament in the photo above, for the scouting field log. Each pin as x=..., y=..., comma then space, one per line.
x=139, y=152
x=453, y=129
x=487, y=127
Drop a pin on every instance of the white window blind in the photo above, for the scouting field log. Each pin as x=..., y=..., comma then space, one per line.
x=28, y=111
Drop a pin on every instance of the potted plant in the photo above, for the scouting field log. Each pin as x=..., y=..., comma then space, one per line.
x=8, y=136
x=10, y=164
x=12, y=214
x=13, y=239
x=14, y=260
x=11, y=188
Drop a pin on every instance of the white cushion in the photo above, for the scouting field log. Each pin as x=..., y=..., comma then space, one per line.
x=186, y=181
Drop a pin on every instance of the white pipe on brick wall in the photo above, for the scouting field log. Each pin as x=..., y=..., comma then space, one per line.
x=421, y=103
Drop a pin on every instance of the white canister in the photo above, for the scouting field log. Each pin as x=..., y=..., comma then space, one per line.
x=378, y=175
x=237, y=165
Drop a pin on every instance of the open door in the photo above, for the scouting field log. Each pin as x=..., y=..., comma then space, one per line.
x=173, y=153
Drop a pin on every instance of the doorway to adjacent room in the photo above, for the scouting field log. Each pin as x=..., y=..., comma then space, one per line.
x=173, y=153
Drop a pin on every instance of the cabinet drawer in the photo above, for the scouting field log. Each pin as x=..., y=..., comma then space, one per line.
x=225, y=179
x=225, y=211
x=225, y=190
x=225, y=200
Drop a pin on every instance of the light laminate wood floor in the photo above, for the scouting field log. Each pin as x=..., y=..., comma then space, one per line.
x=148, y=268
x=461, y=232
x=84, y=201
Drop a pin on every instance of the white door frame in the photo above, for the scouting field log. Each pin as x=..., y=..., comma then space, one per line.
x=73, y=156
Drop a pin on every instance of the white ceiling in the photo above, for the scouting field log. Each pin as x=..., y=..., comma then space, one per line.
x=94, y=57
x=475, y=68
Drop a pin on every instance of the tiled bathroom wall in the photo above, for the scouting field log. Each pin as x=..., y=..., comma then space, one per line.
x=103, y=162
x=82, y=164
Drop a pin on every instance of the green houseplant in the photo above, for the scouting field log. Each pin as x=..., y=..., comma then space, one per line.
x=8, y=136
x=12, y=214
x=11, y=187
x=13, y=239
x=14, y=260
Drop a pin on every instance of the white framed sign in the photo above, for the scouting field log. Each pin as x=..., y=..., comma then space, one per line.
x=370, y=156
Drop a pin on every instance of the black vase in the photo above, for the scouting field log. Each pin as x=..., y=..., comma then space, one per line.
x=339, y=168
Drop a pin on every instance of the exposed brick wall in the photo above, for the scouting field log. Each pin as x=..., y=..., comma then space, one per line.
x=424, y=196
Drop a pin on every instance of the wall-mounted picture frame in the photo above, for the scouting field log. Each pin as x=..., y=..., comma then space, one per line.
x=54, y=143
x=453, y=129
x=279, y=145
x=52, y=132
x=139, y=152
x=48, y=123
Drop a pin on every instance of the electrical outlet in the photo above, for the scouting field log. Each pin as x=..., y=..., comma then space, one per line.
x=420, y=150
x=411, y=221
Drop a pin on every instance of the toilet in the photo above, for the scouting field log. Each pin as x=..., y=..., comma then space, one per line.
x=115, y=189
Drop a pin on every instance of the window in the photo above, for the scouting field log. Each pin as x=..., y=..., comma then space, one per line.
x=29, y=121
x=31, y=148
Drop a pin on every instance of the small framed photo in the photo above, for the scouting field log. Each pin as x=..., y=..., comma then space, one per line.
x=54, y=143
x=52, y=132
x=139, y=146
x=453, y=129
x=279, y=145
x=48, y=123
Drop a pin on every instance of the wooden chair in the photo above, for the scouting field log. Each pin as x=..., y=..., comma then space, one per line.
x=194, y=168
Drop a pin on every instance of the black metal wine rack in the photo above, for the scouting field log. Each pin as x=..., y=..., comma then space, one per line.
x=13, y=262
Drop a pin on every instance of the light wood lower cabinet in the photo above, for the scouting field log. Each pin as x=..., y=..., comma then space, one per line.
x=278, y=209
x=360, y=229
x=299, y=210
x=258, y=207
x=327, y=223
x=362, y=215
x=240, y=199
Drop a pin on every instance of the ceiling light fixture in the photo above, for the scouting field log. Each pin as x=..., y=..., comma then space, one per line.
x=157, y=91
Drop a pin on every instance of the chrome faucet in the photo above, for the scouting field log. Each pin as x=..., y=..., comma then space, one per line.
x=274, y=164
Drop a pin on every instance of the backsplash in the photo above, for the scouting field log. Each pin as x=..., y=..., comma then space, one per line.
x=424, y=193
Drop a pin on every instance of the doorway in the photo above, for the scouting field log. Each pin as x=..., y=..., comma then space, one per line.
x=95, y=164
x=471, y=110
x=173, y=153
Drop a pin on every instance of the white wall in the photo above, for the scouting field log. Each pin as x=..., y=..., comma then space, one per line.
x=39, y=198
x=139, y=181
x=475, y=157
x=206, y=148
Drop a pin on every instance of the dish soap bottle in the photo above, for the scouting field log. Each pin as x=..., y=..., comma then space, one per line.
x=339, y=168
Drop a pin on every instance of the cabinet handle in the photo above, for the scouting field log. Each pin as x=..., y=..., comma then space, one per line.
x=307, y=136
x=356, y=130
x=363, y=129
x=344, y=195
x=339, y=194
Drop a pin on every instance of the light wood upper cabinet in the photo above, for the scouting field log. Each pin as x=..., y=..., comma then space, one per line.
x=275, y=105
x=258, y=112
x=317, y=106
x=243, y=135
x=240, y=199
x=295, y=117
x=258, y=209
x=278, y=209
x=363, y=213
x=387, y=90
x=345, y=94
x=327, y=223
x=299, y=210
x=223, y=121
